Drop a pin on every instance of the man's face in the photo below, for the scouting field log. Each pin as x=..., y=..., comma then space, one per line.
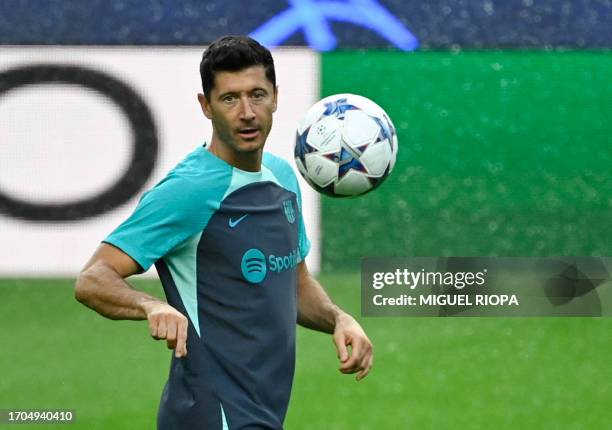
x=240, y=107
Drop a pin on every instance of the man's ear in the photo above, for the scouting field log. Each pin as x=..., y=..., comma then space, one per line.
x=205, y=105
x=275, y=98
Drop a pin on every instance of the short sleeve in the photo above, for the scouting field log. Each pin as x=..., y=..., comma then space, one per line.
x=303, y=242
x=166, y=215
x=286, y=176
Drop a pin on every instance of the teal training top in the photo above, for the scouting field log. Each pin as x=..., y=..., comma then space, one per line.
x=226, y=243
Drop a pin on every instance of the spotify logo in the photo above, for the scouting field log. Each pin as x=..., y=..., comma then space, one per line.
x=254, y=266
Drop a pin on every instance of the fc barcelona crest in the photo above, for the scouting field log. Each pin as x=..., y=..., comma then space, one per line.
x=289, y=212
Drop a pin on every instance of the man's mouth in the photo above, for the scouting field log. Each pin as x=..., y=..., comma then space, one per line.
x=249, y=132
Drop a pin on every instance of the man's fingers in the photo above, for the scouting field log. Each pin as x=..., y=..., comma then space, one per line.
x=153, y=328
x=171, y=325
x=353, y=364
x=366, y=369
x=361, y=359
x=341, y=348
x=350, y=366
x=157, y=327
x=177, y=336
x=356, y=341
x=181, y=338
x=167, y=323
x=161, y=329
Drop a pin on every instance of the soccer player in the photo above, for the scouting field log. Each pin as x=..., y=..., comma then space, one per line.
x=225, y=231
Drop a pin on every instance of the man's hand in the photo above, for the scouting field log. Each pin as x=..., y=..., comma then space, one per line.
x=360, y=359
x=165, y=322
x=316, y=311
x=101, y=286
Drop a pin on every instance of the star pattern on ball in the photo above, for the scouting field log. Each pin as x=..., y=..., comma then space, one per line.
x=386, y=131
x=303, y=147
x=338, y=108
x=348, y=162
x=349, y=135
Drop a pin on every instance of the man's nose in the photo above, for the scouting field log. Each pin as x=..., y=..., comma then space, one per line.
x=246, y=110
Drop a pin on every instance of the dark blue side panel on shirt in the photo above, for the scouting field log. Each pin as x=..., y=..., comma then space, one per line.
x=189, y=401
x=242, y=363
x=250, y=326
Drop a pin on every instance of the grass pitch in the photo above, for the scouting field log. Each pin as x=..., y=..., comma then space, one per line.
x=469, y=373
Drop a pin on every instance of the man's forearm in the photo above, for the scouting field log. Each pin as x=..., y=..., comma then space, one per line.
x=318, y=312
x=315, y=309
x=105, y=291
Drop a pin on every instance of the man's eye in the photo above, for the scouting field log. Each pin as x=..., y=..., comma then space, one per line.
x=228, y=99
x=259, y=95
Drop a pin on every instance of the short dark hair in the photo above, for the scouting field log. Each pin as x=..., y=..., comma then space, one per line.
x=232, y=54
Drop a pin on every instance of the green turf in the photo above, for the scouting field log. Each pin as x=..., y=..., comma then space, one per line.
x=429, y=373
x=500, y=153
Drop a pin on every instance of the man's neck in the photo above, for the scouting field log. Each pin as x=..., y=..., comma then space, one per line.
x=248, y=161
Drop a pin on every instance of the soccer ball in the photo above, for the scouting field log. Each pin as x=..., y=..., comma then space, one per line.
x=346, y=145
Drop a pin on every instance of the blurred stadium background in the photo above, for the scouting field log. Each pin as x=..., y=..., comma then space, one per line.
x=503, y=113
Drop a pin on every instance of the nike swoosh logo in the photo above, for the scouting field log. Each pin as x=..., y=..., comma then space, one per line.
x=233, y=224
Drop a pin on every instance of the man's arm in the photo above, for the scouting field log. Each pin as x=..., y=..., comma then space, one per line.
x=101, y=287
x=316, y=311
